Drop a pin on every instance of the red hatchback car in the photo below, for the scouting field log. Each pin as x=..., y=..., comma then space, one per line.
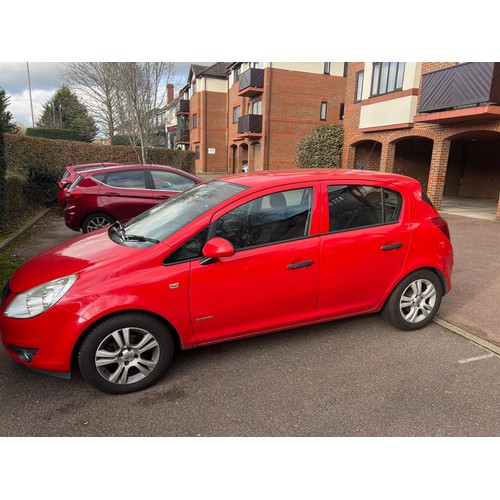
x=71, y=173
x=231, y=258
x=98, y=197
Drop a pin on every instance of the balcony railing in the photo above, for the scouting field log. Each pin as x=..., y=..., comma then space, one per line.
x=251, y=82
x=460, y=86
x=182, y=136
x=250, y=124
x=182, y=107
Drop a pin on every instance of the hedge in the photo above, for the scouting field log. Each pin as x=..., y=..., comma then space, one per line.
x=35, y=164
x=55, y=133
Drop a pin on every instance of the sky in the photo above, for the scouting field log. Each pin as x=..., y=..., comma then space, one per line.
x=45, y=79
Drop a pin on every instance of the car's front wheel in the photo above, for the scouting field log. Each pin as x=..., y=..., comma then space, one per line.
x=95, y=221
x=415, y=301
x=126, y=353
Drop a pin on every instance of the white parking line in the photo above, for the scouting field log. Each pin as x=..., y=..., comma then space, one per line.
x=477, y=358
x=459, y=331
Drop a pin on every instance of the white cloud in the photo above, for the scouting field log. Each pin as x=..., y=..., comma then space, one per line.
x=19, y=105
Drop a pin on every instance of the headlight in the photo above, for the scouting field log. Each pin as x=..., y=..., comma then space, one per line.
x=40, y=298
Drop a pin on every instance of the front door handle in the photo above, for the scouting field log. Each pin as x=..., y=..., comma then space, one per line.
x=112, y=194
x=394, y=246
x=299, y=265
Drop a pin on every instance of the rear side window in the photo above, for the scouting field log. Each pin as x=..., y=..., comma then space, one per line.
x=170, y=181
x=131, y=179
x=356, y=206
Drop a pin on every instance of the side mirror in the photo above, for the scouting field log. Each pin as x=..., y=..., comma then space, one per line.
x=217, y=248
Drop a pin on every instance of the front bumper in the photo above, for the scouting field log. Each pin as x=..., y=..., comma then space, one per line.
x=45, y=342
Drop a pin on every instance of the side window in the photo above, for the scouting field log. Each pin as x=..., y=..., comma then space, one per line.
x=132, y=179
x=189, y=250
x=353, y=207
x=272, y=218
x=170, y=181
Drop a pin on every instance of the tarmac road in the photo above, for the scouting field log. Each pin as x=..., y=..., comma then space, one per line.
x=356, y=377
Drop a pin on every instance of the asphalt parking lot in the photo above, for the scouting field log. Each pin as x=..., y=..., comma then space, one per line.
x=356, y=377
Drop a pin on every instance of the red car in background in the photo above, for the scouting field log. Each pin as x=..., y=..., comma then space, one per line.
x=100, y=196
x=230, y=258
x=71, y=173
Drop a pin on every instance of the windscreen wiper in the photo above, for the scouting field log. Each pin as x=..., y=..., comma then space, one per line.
x=135, y=237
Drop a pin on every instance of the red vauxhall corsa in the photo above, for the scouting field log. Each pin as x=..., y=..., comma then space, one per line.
x=99, y=197
x=71, y=173
x=230, y=258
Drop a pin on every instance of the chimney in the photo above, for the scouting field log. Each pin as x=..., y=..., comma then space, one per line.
x=170, y=93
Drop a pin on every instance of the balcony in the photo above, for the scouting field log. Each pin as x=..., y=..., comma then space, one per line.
x=251, y=83
x=465, y=92
x=182, y=136
x=250, y=126
x=182, y=107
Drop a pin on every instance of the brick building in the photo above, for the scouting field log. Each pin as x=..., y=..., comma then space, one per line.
x=251, y=116
x=438, y=122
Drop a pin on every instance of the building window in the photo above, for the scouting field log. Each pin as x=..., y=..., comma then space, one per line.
x=257, y=107
x=193, y=88
x=387, y=77
x=322, y=113
x=346, y=69
x=360, y=75
x=237, y=73
x=236, y=114
x=327, y=68
x=197, y=152
x=341, y=111
x=257, y=65
x=195, y=121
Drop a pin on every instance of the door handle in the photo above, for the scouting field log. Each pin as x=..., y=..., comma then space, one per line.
x=394, y=246
x=112, y=194
x=299, y=265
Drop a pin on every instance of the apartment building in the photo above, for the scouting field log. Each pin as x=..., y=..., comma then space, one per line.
x=436, y=121
x=246, y=116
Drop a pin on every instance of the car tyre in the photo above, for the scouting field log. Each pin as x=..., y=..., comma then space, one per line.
x=415, y=300
x=126, y=353
x=96, y=221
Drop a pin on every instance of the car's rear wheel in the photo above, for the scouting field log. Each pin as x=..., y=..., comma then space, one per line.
x=415, y=301
x=126, y=353
x=95, y=221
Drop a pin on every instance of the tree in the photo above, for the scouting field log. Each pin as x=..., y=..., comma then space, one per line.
x=321, y=148
x=3, y=169
x=140, y=92
x=96, y=81
x=6, y=116
x=64, y=110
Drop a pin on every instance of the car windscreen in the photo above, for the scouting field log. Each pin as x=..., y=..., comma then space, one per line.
x=165, y=219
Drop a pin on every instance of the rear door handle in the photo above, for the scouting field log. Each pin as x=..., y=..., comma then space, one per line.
x=299, y=265
x=112, y=194
x=394, y=246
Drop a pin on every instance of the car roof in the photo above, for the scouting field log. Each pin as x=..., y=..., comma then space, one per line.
x=96, y=165
x=270, y=178
x=99, y=170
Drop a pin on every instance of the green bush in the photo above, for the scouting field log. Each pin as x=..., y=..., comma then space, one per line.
x=321, y=148
x=41, y=184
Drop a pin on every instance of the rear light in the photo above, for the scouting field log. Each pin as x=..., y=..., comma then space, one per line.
x=73, y=195
x=442, y=225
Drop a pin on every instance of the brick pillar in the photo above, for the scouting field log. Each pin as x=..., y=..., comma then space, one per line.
x=437, y=174
x=387, y=157
x=348, y=157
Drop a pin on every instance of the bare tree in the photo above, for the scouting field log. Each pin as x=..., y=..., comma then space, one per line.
x=140, y=93
x=96, y=82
